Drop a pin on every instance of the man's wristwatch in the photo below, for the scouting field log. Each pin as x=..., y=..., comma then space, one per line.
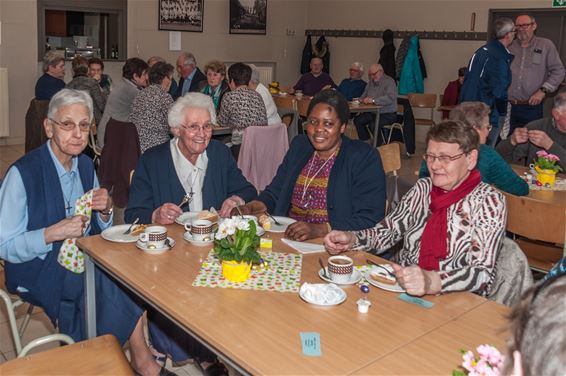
x=544, y=90
x=108, y=211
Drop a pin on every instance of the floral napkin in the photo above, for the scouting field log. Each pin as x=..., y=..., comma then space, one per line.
x=70, y=256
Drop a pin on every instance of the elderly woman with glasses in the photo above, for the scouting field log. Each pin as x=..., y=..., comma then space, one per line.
x=326, y=181
x=452, y=224
x=191, y=165
x=493, y=168
x=41, y=216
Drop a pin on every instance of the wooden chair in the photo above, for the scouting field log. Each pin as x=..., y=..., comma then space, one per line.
x=396, y=125
x=391, y=161
x=303, y=106
x=286, y=102
x=92, y=143
x=424, y=101
x=539, y=229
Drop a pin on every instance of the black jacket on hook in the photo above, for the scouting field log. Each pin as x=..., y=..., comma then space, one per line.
x=387, y=54
x=322, y=50
x=307, y=56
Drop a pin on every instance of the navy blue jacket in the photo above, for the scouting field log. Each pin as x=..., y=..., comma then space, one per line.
x=155, y=181
x=195, y=84
x=356, y=186
x=47, y=86
x=488, y=78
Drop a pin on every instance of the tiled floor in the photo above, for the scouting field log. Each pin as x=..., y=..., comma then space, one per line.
x=40, y=325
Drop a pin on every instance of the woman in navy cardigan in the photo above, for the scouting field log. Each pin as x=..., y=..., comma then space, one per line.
x=326, y=181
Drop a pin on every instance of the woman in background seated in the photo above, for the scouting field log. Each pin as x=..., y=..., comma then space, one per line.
x=215, y=85
x=538, y=322
x=493, y=168
x=151, y=105
x=326, y=180
x=451, y=95
x=452, y=224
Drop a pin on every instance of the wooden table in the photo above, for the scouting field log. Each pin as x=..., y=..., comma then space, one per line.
x=358, y=109
x=550, y=196
x=98, y=356
x=258, y=332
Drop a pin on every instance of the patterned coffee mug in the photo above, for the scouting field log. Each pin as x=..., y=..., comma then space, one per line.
x=340, y=268
x=154, y=236
x=200, y=229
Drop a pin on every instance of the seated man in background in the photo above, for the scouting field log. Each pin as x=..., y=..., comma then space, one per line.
x=354, y=86
x=190, y=76
x=314, y=81
x=451, y=95
x=52, y=79
x=273, y=117
x=544, y=134
x=380, y=90
x=96, y=71
x=241, y=107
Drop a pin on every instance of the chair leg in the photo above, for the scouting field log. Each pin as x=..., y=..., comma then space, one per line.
x=10, y=306
x=25, y=321
x=390, y=133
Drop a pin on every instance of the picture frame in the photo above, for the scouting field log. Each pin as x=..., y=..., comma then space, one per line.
x=248, y=17
x=181, y=15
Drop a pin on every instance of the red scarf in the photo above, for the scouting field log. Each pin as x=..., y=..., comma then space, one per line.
x=433, y=241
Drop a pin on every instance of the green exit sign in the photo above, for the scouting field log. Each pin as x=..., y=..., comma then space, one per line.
x=558, y=3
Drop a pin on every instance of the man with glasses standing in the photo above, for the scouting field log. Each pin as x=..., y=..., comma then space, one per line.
x=489, y=75
x=382, y=91
x=536, y=71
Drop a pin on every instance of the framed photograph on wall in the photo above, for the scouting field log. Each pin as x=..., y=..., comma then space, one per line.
x=181, y=15
x=248, y=16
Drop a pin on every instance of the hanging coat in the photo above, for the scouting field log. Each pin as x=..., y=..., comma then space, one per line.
x=400, y=58
x=387, y=54
x=307, y=56
x=411, y=80
x=323, y=51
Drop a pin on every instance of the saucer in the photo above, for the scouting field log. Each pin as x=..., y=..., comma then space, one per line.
x=322, y=294
x=384, y=286
x=155, y=251
x=116, y=234
x=200, y=243
x=354, y=278
x=285, y=222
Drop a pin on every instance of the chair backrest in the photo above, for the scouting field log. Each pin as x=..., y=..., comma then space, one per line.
x=286, y=102
x=35, y=132
x=261, y=153
x=303, y=106
x=92, y=141
x=390, y=157
x=422, y=100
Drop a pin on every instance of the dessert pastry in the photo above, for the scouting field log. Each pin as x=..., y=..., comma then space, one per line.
x=265, y=222
x=207, y=214
x=138, y=230
x=381, y=276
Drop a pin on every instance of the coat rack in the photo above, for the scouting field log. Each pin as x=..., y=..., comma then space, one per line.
x=439, y=35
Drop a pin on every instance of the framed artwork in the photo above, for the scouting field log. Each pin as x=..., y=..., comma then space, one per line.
x=248, y=16
x=181, y=15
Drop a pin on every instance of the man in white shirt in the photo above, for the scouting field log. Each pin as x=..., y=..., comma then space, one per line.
x=272, y=114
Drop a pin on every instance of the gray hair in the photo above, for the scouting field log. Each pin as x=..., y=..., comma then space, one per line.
x=67, y=97
x=358, y=65
x=502, y=26
x=176, y=115
x=471, y=113
x=189, y=58
x=560, y=102
x=255, y=74
x=155, y=59
x=51, y=59
x=528, y=15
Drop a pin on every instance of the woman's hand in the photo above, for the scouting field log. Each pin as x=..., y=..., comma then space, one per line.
x=166, y=214
x=337, y=242
x=68, y=228
x=229, y=204
x=417, y=281
x=101, y=200
x=302, y=231
x=254, y=207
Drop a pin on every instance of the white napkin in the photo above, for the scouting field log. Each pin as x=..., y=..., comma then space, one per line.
x=320, y=293
x=304, y=248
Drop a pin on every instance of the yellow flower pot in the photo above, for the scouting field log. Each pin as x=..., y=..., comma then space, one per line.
x=545, y=176
x=236, y=271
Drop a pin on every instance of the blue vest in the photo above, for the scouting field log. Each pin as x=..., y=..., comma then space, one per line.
x=45, y=278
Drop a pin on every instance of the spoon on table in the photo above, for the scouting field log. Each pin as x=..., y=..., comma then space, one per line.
x=382, y=267
x=323, y=268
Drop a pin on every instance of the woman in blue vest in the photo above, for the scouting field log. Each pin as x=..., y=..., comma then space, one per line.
x=38, y=199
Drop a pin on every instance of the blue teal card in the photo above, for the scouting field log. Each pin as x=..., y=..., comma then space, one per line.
x=311, y=343
x=418, y=301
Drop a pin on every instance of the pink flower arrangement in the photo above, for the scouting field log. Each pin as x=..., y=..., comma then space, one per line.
x=488, y=362
x=547, y=161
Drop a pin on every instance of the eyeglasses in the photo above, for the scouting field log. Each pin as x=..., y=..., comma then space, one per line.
x=443, y=159
x=374, y=73
x=524, y=26
x=328, y=125
x=68, y=125
x=195, y=128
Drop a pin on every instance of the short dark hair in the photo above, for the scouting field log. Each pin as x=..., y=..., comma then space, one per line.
x=462, y=71
x=333, y=99
x=95, y=60
x=454, y=132
x=133, y=66
x=240, y=73
x=159, y=71
x=80, y=66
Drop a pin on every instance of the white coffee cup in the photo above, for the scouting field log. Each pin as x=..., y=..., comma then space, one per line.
x=355, y=101
x=154, y=236
x=200, y=229
x=340, y=268
x=299, y=94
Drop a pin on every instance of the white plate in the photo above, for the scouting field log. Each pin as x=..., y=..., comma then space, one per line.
x=339, y=301
x=186, y=217
x=155, y=251
x=116, y=234
x=201, y=243
x=285, y=222
x=354, y=278
x=383, y=286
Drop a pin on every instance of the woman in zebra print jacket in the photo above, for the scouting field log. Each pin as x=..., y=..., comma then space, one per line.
x=452, y=224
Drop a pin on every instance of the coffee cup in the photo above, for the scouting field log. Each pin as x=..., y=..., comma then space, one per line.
x=154, y=236
x=299, y=94
x=355, y=101
x=340, y=268
x=200, y=229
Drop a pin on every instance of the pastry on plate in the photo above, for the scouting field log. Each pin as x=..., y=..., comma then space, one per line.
x=138, y=230
x=208, y=215
x=265, y=222
x=382, y=276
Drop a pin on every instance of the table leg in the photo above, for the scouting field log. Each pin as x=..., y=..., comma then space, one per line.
x=90, y=298
x=376, y=128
